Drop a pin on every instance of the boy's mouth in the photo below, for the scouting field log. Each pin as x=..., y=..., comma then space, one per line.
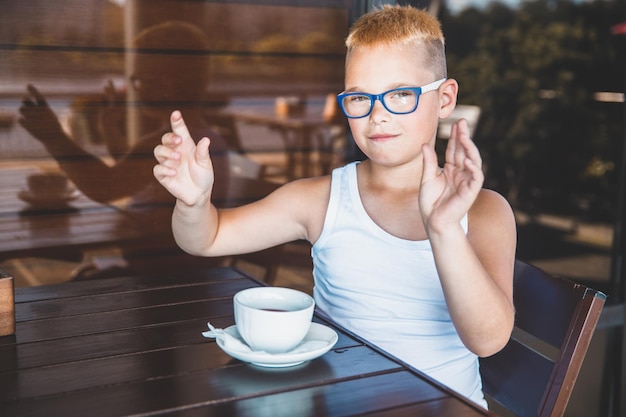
x=382, y=137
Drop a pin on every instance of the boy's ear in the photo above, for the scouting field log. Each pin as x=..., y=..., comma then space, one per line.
x=447, y=97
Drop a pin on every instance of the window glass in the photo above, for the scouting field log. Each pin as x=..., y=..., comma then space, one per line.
x=548, y=78
x=99, y=80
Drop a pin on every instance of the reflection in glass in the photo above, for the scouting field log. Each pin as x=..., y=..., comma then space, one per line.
x=94, y=87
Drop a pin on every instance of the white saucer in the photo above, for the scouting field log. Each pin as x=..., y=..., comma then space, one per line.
x=317, y=333
x=48, y=201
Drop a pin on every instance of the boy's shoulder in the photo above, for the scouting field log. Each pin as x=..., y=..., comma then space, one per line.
x=307, y=201
x=307, y=189
x=320, y=184
x=490, y=206
x=490, y=197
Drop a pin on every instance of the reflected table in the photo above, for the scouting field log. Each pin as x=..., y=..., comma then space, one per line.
x=302, y=135
x=133, y=346
x=67, y=231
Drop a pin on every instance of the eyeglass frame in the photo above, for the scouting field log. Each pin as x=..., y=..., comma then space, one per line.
x=380, y=97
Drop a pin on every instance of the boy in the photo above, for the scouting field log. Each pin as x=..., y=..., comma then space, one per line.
x=413, y=257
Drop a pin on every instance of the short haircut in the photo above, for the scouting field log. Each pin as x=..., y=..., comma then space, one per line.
x=402, y=26
x=173, y=41
x=176, y=35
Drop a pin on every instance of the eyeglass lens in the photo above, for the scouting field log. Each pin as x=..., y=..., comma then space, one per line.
x=396, y=101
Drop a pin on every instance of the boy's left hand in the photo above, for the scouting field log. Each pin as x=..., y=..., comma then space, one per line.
x=447, y=193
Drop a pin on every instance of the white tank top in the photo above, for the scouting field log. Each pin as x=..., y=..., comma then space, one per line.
x=387, y=290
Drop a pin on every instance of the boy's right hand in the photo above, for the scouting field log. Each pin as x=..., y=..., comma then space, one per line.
x=39, y=120
x=184, y=168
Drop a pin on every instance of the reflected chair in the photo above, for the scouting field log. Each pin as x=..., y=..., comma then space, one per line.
x=226, y=126
x=268, y=259
x=243, y=166
x=535, y=372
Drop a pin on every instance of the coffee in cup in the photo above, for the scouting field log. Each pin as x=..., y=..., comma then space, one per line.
x=273, y=319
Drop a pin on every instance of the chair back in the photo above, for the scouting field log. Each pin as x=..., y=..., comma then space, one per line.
x=243, y=166
x=554, y=321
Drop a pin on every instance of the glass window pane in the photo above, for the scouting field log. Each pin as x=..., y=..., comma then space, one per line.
x=104, y=77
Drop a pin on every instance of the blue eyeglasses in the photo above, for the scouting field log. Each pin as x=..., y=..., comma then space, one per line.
x=397, y=101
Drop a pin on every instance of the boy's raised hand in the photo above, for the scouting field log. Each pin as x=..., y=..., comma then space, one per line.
x=184, y=168
x=447, y=193
x=38, y=118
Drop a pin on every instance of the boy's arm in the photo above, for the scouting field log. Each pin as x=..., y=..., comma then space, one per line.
x=292, y=212
x=476, y=273
x=186, y=171
x=289, y=213
x=475, y=269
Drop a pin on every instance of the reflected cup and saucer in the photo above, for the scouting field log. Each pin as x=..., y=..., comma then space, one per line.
x=319, y=340
x=48, y=191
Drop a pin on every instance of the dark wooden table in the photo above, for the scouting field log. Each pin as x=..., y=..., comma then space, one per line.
x=133, y=346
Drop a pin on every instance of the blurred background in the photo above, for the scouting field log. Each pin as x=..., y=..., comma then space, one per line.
x=541, y=83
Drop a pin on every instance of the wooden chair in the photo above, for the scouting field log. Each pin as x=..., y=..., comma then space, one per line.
x=269, y=260
x=535, y=373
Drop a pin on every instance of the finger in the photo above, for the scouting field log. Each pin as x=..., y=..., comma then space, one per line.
x=460, y=144
x=475, y=181
x=465, y=142
x=161, y=172
x=462, y=130
x=39, y=98
x=178, y=125
x=461, y=139
x=171, y=140
x=202, y=152
x=451, y=147
x=476, y=170
x=26, y=103
x=163, y=154
x=472, y=154
x=430, y=165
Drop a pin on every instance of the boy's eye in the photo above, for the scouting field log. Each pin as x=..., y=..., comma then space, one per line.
x=401, y=94
x=359, y=98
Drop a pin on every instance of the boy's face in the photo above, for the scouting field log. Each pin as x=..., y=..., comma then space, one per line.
x=385, y=137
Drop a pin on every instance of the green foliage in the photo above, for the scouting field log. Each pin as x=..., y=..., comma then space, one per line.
x=534, y=72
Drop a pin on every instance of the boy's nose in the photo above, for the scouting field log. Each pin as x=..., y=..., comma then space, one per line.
x=379, y=113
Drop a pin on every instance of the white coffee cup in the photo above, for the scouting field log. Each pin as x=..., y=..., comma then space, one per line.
x=273, y=319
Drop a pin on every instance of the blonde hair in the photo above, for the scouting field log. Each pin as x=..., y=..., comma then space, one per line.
x=403, y=26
